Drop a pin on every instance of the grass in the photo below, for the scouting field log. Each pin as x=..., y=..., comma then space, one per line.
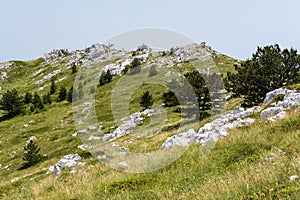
x=233, y=170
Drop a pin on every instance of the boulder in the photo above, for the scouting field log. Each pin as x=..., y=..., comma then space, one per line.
x=270, y=112
x=183, y=139
x=271, y=95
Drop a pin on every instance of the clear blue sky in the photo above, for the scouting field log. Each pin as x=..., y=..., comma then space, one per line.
x=30, y=28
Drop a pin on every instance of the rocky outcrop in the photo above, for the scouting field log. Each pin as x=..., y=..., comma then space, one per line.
x=278, y=110
x=124, y=129
x=56, y=53
x=237, y=118
x=66, y=162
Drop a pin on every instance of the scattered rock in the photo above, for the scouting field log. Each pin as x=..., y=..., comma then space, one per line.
x=270, y=112
x=123, y=165
x=15, y=180
x=183, y=139
x=132, y=121
x=84, y=147
x=294, y=177
x=66, y=162
x=93, y=138
x=269, y=159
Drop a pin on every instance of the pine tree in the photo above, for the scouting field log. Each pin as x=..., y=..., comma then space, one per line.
x=37, y=101
x=28, y=98
x=52, y=87
x=47, y=98
x=135, y=66
x=74, y=68
x=106, y=77
x=11, y=102
x=146, y=100
x=31, y=154
x=62, y=94
x=70, y=95
x=268, y=69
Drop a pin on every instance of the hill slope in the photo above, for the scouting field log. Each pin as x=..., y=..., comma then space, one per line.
x=233, y=169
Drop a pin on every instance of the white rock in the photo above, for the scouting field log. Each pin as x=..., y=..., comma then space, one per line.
x=55, y=170
x=270, y=112
x=294, y=177
x=94, y=138
x=271, y=95
x=25, y=125
x=183, y=139
x=74, y=134
x=84, y=147
x=15, y=180
x=279, y=116
x=123, y=164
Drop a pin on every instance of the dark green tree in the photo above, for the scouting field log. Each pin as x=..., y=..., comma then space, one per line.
x=169, y=99
x=62, y=94
x=153, y=71
x=146, y=100
x=37, y=101
x=12, y=102
x=28, y=98
x=31, y=154
x=198, y=83
x=74, y=68
x=268, y=69
x=47, y=98
x=135, y=66
x=70, y=95
x=106, y=77
x=52, y=86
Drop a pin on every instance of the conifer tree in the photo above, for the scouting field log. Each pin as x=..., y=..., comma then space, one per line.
x=31, y=154
x=12, y=102
x=146, y=100
x=62, y=94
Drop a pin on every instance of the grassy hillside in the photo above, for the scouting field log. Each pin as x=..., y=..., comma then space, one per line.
x=233, y=170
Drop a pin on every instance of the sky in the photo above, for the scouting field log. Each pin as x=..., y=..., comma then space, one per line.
x=30, y=28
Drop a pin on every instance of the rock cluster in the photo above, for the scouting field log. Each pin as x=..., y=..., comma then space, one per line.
x=56, y=53
x=236, y=118
x=214, y=130
x=66, y=162
x=124, y=129
x=278, y=110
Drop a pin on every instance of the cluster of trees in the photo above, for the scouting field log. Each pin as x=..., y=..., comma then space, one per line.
x=14, y=103
x=200, y=89
x=268, y=69
x=106, y=77
x=134, y=67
